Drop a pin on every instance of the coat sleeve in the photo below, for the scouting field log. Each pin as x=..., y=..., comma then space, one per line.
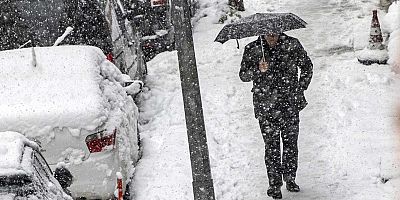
x=305, y=65
x=248, y=70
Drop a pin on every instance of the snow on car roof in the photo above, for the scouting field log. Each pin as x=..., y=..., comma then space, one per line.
x=50, y=87
x=13, y=160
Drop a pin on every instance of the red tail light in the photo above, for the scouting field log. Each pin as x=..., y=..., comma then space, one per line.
x=110, y=57
x=158, y=2
x=100, y=141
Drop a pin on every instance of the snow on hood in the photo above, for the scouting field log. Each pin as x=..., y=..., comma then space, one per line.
x=51, y=87
x=12, y=146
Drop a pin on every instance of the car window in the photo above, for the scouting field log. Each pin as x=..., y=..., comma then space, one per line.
x=39, y=169
x=42, y=167
x=40, y=174
x=43, y=162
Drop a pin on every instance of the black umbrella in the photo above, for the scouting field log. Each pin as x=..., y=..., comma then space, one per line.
x=260, y=24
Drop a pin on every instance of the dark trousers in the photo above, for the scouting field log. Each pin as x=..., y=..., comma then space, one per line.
x=272, y=129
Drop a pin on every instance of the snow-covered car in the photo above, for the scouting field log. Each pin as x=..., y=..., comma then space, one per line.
x=24, y=173
x=71, y=100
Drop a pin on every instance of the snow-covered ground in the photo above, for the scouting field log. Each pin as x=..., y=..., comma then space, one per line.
x=349, y=148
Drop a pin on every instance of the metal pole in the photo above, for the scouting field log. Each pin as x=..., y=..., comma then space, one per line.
x=202, y=182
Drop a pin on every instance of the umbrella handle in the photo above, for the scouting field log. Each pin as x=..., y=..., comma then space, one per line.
x=262, y=49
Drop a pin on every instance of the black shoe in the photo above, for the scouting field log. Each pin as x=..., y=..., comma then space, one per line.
x=291, y=186
x=274, y=192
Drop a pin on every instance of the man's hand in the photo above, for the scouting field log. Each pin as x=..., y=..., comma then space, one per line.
x=263, y=66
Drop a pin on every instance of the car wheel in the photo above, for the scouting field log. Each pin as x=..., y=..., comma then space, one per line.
x=127, y=194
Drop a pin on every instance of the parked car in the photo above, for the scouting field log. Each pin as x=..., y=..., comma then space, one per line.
x=126, y=37
x=25, y=23
x=24, y=173
x=157, y=27
x=71, y=100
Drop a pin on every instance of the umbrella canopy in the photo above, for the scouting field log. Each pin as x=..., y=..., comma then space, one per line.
x=260, y=24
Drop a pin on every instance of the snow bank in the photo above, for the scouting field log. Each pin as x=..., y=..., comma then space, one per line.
x=392, y=18
x=392, y=21
x=12, y=146
x=394, y=50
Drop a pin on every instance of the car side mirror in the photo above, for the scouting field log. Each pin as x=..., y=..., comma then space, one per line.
x=133, y=87
x=63, y=176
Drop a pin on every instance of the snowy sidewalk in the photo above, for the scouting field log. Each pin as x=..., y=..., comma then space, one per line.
x=347, y=142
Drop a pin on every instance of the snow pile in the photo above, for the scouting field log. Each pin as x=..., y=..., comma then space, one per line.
x=394, y=50
x=12, y=146
x=121, y=112
x=164, y=170
x=61, y=91
x=213, y=9
x=392, y=20
x=376, y=55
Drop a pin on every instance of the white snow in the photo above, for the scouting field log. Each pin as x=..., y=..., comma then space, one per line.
x=119, y=175
x=348, y=145
x=62, y=37
x=394, y=50
x=61, y=91
x=212, y=9
x=12, y=146
x=134, y=88
x=392, y=18
x=373, y=54
x=392, y=21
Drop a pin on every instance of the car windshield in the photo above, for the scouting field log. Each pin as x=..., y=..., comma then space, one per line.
x=37, y=21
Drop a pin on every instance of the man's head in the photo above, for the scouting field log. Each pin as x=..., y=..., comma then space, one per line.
x=272, y=39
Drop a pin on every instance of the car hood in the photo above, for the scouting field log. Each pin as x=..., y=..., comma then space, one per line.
x=4, y=196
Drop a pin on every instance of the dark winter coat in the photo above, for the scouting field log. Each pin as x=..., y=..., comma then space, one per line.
x=279, y=89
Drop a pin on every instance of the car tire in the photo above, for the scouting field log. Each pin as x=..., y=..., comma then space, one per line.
x=127, y=193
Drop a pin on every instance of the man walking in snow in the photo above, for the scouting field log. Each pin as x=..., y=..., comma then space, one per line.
x=272, y=63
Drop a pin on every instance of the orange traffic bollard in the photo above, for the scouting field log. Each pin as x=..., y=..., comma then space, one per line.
x=119, y=186
x=375, y=52
x=376, y=39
